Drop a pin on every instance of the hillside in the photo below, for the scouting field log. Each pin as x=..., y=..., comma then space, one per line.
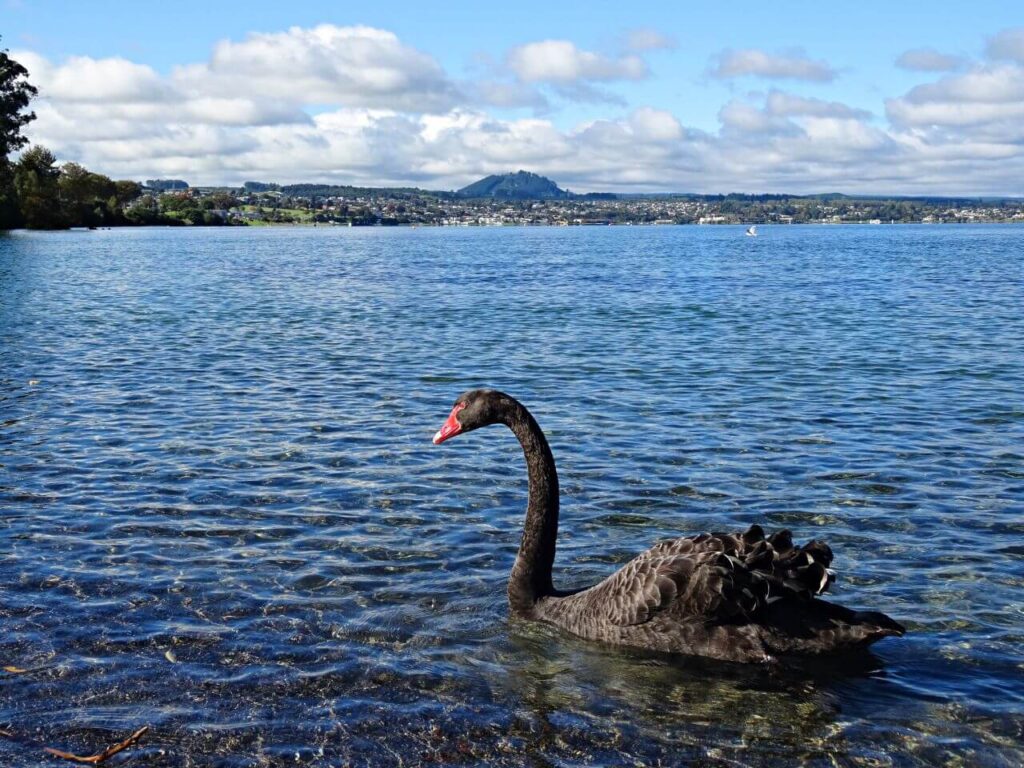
x=515, y=186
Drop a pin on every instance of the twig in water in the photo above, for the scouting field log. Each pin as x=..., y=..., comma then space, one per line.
x=105, y=754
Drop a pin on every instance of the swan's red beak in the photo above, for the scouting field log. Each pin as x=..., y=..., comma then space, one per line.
x=450, y=427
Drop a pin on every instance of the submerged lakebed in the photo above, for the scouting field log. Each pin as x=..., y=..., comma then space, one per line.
x=223, y=516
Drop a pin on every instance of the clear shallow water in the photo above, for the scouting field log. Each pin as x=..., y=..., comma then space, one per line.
x=217, y=444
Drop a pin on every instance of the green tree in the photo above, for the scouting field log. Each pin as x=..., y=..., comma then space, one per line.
x=36, y=181
x=143, y=210
x=223, y=201
x=176, y=202
x=126, y=191
x=10, y=215
x=84, y=195
x=15, y=95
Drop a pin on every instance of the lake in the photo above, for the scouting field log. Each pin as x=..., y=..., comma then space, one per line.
x=223, y=516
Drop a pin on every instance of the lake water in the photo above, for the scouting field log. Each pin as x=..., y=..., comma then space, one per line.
x=222, y=514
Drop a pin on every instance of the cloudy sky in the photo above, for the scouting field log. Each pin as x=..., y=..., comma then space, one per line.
x=923, y=98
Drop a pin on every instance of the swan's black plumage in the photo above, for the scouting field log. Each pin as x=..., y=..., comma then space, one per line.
x=734, y=596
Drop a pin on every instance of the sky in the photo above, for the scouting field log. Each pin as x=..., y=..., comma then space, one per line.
x=797, y=97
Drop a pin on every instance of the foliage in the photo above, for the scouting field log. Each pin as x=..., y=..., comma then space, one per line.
x=10, y=215
x=48, y=197
x=15, y=94
x=343, y=190
x=260, y=186
x=36, y=180
x=163, y=185
x=143, y=210
x=185, y=208
x=85, y=196
x=126, y=191
x=522, y=185
x=221, y=201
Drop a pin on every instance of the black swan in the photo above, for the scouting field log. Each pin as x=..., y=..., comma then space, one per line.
x=742, y=597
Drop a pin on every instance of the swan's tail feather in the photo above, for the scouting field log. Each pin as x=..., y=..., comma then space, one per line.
x=795, y=619
x=822, y=627
x=764, y=583
x=782, y=542
x=803, y=571
x=877, y=625
x=753, y=536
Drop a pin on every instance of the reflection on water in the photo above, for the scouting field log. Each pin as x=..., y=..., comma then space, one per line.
x=223, y=515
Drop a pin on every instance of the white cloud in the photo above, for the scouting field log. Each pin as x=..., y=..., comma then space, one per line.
x=561, y=62
x=353, y=66
x=845, y=135
x=981, y=96
x=1008, y=45
x=388, y=114
x=241, y=111
x=498, y=93
x=741, y=120
x=952, y=114
x=650, y=124
x=967, y=129
x=752, y=62
x=646, y=39
x=113, y=80
x=783, y=103
x=84, y=79
x=929, y=60
x=785, y=114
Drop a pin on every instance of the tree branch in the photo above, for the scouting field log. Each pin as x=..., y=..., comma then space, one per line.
x=105, y=754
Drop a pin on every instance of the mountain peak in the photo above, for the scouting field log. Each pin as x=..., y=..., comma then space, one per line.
x=521, y=185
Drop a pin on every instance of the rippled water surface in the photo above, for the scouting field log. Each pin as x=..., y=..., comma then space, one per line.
x=223, y=516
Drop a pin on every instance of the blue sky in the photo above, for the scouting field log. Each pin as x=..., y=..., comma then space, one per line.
x=688, y=96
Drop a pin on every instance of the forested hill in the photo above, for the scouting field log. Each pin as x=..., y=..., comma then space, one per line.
x=515, y=186
x=344, y=190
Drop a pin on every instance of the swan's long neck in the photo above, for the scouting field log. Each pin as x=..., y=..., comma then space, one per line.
x=531, y=574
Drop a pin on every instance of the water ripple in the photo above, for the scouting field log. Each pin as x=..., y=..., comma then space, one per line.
x=223, y=515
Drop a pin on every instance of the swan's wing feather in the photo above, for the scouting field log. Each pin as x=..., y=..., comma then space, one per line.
x=712, y=577
x=699, y=585
x=642, y=587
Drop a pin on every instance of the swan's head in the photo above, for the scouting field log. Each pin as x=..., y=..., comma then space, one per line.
x=472, y=410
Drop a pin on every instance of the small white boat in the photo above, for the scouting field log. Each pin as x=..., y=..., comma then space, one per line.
x=752, y=231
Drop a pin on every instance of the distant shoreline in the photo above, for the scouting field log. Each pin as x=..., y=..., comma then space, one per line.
x=584, y=225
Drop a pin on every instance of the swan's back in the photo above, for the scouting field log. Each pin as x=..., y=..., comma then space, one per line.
x=741, y=597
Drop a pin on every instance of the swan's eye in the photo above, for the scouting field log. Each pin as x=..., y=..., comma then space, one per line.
x=451, y=427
